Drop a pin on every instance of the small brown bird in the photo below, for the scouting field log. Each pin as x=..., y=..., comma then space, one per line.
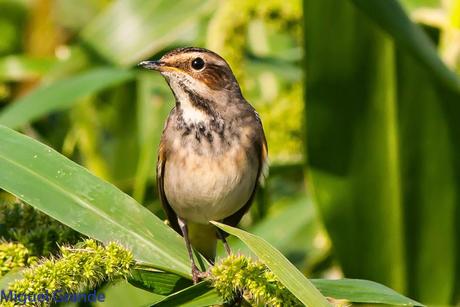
x=213, y=150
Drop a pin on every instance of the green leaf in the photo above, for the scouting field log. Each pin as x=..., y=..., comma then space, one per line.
x=430, y=176
x=130, y=31
x=297, y=219
x=381, y=139
x=20, y=67
x=69, y=193
x=286, y=272
x=351, y=104
x=197, y=295
x=60, y=95
x=390, y=16
x=362, y=291
x=157, y=281
x=412, y=5
x=122, y=294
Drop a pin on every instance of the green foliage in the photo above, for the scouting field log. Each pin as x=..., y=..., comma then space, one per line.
x=382, y=144
x=285, y=271
x=238, y=275
x=88, y=274
x=69, y=193
x=77, y=269
x=261, y=28
x=201, y=294
x=381, y=112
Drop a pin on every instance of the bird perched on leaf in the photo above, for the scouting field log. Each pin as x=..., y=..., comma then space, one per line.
x=212, y=152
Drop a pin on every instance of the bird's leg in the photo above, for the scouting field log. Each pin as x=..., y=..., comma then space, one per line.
x=221, y=236
x=184, y=229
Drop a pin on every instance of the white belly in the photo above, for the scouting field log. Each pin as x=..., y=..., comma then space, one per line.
x=202, y=188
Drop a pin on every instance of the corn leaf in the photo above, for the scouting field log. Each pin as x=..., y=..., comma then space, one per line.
x=60, y=95
x=132, y=30
x=197, y=295
x=362, y=291
x=69, y=193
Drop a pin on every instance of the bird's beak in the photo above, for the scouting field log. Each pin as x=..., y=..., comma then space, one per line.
x=153, y=65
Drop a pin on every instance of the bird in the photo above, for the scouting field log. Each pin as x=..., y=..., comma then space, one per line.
x=212, y=153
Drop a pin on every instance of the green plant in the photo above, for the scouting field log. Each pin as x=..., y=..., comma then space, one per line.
x=13, y=256
x=380, y=111
x=238, y=275
x=382, y=114
x=78, y=268
x=99, y=210
x=39, y=233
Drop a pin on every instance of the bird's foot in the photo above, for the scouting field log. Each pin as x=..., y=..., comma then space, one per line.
x=197, y=275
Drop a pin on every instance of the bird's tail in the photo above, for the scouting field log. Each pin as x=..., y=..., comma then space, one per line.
x=203, y=238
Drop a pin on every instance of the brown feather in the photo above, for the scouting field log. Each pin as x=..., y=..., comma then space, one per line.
x=171, y=215
x=262, y=150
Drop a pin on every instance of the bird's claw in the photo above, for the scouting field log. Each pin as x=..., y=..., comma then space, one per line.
x=197, y=275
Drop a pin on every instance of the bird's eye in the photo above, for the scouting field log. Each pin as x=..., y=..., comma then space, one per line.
x=197, y=63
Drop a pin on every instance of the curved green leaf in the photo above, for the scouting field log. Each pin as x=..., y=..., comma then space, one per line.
x=60, y=95
x=287, y=273
x=20, y=67
x=197, y=295
x=391, y=17
x=122, y=294
x=287, y=230
x=69, y=193
x=362, y=291
x=158, y=282
x=132, y=30
x=382, y=127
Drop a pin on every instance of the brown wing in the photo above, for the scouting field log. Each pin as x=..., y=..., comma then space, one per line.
x=262, y=153
x=172, y=217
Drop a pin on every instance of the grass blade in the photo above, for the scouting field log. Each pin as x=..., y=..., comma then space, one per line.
x=287, y=273
x=130, y=31
x=60, y=95
x=20, y=67
x=362, y=291
x=69, y=193
x=391, y=17
x=197, y=295
x=159, y=282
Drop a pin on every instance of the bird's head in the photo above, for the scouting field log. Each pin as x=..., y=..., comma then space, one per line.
x=197, y=72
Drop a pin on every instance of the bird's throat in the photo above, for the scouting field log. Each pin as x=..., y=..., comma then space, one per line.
x=193, y=107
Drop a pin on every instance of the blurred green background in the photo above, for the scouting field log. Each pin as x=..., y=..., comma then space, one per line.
x=360, y=101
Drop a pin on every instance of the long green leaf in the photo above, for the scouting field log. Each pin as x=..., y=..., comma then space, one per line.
x=60, y=95
x=197, y=295
x=288, y=230
x=122, y=294
x=362, y=291
x=391, y=17
x=382, y=127
x=352, y=140
x=69, y=193
x=352, y=290
x=131, y=30
x=287, y=273
x=19, y=67
x=157, y=281
x=428, y=171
